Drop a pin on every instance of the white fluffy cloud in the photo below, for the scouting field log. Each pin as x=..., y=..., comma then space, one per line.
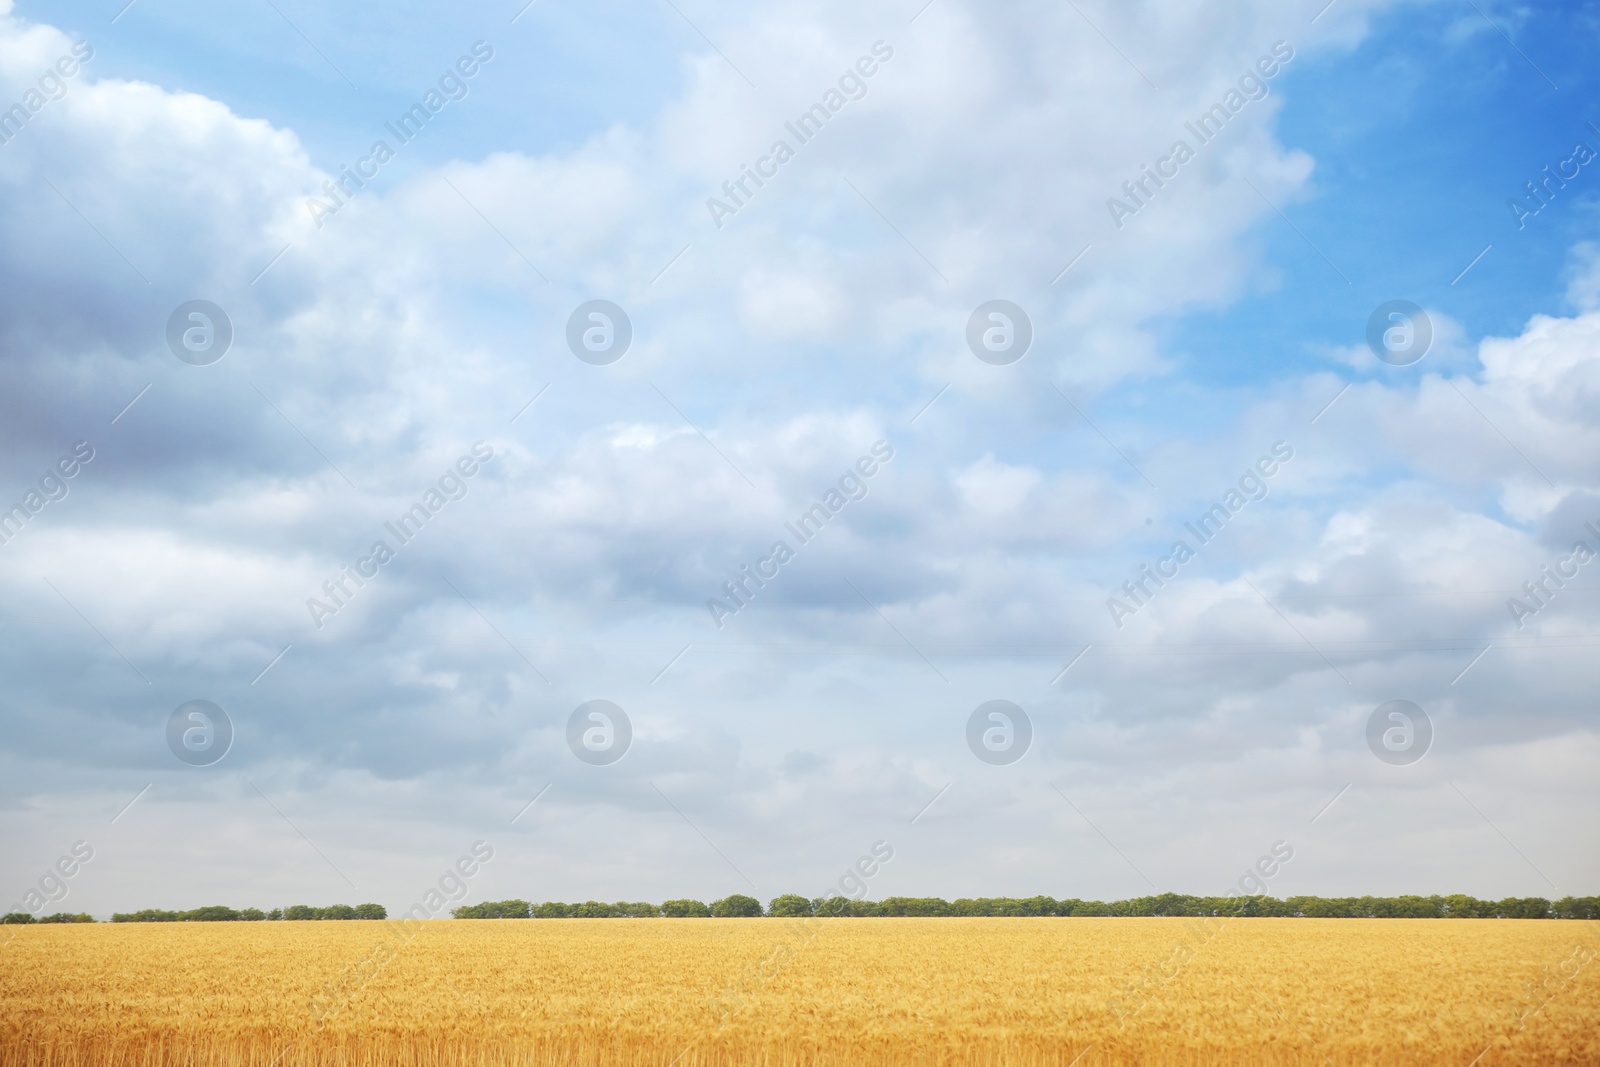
x=767, y=357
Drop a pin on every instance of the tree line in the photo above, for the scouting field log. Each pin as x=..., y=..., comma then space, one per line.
x=218, y=913
x=1456, y=906
x=215, y=913
x=736, y=906
x=792, y=905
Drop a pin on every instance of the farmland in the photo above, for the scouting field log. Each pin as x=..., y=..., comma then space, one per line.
x=827, y=991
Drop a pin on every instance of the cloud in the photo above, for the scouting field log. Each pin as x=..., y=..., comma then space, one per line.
x=768, y=355
x=1583, y=291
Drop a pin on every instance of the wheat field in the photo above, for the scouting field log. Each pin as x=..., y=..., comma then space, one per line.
x=772, y=992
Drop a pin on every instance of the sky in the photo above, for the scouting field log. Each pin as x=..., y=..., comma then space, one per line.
x=335, y=510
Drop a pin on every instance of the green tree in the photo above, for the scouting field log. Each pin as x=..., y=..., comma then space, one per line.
x=736, y=906
x=790, y=905
x=841, y=906
x=1461, y=906
x=1524, y=908
x=148, y=915
x=17, y=918
x=591, y=909
x=1576, y=908
x=1173, y=904
x=551, y=909
x=832, y=906
x=67, y=917
x=489, y=909
x=378, y=911
x=1089, y=908
x=1041, y=905
x=685, y=909
x=637, y=909
x=917, y=906
x=1314, y=907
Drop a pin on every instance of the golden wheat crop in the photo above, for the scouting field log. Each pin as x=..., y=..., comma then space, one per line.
x=768, y=991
